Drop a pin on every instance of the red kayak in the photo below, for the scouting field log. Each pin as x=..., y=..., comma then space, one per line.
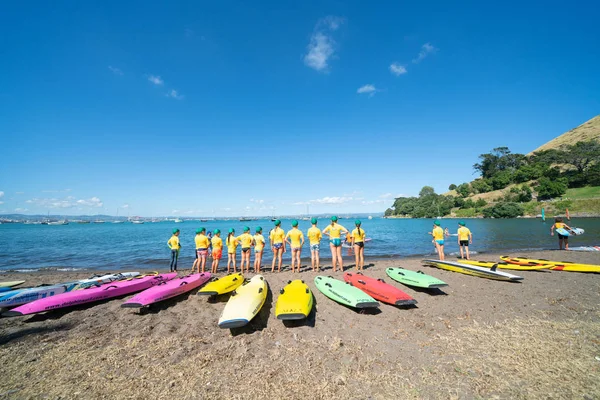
x=379, y=290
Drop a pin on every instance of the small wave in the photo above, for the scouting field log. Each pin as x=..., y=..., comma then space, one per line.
x=43, y=269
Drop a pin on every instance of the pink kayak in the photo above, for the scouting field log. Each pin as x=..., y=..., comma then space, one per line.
x=89, y=295
x=166, y=290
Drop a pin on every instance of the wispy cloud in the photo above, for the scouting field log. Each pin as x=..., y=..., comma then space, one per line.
x=1, y=194
x=257, y=201
x=367, y=89
x=426, y=50
x=115, y=70
x=155, y=79
x=67, y=202
x=21, y=209
x=56, y=191
x=174, y=94
x=397, y=69
x=125, y=206
x=322, y=46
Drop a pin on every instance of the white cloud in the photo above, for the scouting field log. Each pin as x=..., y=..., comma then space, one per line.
x=115, y=70
x=257, y=201
x=125, y=206
x=21, y=209
x=385, y=196
x=155, y=79
x=1, y=202
x=322, y=46
x=397, y=69
x=367, y=89
x=67, y=202
x=366, y=202
x=331, y=200
x=1, y=194
x=426, y=50
x=174, y=95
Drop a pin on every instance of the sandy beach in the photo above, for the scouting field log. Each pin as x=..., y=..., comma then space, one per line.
x=477, y=338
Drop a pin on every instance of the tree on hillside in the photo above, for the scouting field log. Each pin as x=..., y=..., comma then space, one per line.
x=500, y=159
x=549, y=189
x=426, y=191
x=452, y=187
x=464, y=189
x=481, y=186
x=503, y=210
x=582, y=155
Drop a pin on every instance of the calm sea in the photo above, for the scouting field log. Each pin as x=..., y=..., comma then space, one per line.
x=144, y=246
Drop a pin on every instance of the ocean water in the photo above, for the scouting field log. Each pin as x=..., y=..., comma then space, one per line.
x=144, y=246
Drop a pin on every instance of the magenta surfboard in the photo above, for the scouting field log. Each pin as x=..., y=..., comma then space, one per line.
x=167, y=290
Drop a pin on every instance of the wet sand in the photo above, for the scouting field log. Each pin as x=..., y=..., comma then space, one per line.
x=475, y=338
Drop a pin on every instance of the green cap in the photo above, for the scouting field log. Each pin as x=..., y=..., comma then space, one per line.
x=334, y=218
x=199, y=230
x=313, y=220
x=277, y=222
x=258, y=229
x=436, y=222
x=246, y=229
x=217, y=231
x=357, y=222
x=294, y=223
x=462, y=223
x=231, y=230
x=175, y=231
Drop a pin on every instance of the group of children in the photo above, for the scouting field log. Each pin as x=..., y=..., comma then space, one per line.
x=212, y=245
x=465, y=237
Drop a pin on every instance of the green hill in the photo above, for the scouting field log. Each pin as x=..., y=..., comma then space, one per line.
x=587, y=131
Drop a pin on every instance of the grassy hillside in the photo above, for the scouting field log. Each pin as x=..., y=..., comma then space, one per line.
x=586, y=131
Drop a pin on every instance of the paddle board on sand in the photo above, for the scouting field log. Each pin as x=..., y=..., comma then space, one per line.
x=295, y=301
x=344, y=293
x=412, y=278
x=223, y=285
x=89, y=295
x=10, y=284
x=473, y=270
x=554, y=265
x=503, y=265
x=166, y=290
x=379, y=290
x=245, y=302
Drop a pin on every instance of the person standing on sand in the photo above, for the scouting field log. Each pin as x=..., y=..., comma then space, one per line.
x=202, y=244
x=558, y=224
x=232, y=244
x=217, y=250
x=334, y=231
x=438, y=237
x=175, y=246
x=465, y=237
x=277, y=242
x=314, y=238
x=246, y=240
x=297, y=241
x=259, y=245
x=358, y=244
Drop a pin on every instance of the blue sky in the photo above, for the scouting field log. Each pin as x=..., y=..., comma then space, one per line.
x=260, y=108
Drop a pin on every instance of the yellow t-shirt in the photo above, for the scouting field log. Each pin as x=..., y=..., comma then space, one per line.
x=259, y=242
x=558, y=225
x=314, y=235
x=277, y=235
x=359, y=236
x=463, y=233
x=173, y=243
x=217, y=243
x=201, y=241
x=334, y=230
x=438, y=233
x=297, y=236
x=232, y=244
x=245, y=239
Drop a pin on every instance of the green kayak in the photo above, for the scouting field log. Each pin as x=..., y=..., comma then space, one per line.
x=344, y=293
x=412, y=278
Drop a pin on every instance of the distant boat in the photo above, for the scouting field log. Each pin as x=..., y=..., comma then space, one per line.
x=118, y=222
x=177, y=220
x=370, y=217
x=245, y=219
x=64, y=222
x=137, y=221
x=83, y=222
x=99, y=221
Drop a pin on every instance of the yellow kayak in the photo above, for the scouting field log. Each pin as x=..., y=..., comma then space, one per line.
x=294, y=302
x=503, y=265
x=226, y=284
x=245, y=302
x=554, y=265
x=473, y=270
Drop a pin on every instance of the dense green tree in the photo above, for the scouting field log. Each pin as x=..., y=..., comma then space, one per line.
x=480, y=203
x=464, y=189
x=500, y=159
x=501, y=180
x=549, y=189
x=481, y=186
x=452, y=186
x=426, y=191
x=503, y=210
x=582, y=155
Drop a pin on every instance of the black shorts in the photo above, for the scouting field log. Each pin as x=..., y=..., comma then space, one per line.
x=245, y=249
x=464, y=243
x=562, y=237
x=359, y=244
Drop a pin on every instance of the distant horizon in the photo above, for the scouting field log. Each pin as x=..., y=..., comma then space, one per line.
x=86, y=216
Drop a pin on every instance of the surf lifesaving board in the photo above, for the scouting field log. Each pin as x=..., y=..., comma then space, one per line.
x=503, y=265
x=412, y=278
x=223, y=285
x=245, y=302
x=10, y=284
x=295, y=301
x=570, y=232
x=344, y=293
x=166, y=290
x=379, y=290
x=473, y=270
x=555, y=265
